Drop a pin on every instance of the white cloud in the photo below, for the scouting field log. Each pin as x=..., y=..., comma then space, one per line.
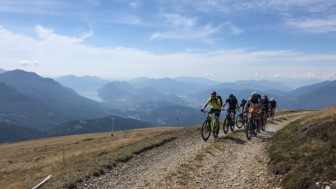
x=176, y=20
x=226, y=6
x=185, y=29
x=235, y=30
x=52, y=54
x=27, y=63
x=134, y=3
x=49, y=35
x=324, y=25
x=208, y=75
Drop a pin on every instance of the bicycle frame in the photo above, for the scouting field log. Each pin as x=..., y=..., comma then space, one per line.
x=241, y=119
x=212, y=120
x=209, y=126
x=252, y=126
x=228, y=121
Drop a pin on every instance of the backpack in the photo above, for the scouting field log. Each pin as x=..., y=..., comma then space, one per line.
x=220, y=99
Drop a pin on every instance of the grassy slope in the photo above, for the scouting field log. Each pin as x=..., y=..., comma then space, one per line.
x=69, y=159
x=304, y=152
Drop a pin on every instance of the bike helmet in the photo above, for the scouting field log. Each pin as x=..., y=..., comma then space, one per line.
x=272, y=99
x=254, y=93
x=231, y=95
x=243, y=100
x=213, y=93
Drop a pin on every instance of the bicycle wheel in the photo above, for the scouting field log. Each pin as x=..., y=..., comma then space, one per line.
x=258, y=125
x=232, y=124
x=240, y=121
x=226, y=125
x=206, y=130
x=255, y=126
x=248, y=131
x=263, y=124
x=215, y=132
x=272, y=114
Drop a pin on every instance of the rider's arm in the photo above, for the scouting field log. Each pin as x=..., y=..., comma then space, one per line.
x=246, y=105
x=223, y=105
x=205, y=105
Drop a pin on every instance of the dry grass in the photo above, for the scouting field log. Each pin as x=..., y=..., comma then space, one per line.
x=70, y=158
x=304, y=152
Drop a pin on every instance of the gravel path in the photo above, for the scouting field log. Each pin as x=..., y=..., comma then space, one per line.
x=231, y=161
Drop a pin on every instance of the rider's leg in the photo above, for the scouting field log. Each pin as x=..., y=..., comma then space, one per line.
x=217, y=114
x=234, y=116
x=217, y=121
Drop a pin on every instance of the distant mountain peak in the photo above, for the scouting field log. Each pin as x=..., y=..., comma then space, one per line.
x=21, y=73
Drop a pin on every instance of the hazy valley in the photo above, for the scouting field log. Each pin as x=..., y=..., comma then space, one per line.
x=35, y=107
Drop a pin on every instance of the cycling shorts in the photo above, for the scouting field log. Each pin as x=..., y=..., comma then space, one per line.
x=216, y=111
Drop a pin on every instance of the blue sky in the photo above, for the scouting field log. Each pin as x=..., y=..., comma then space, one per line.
x=223, y=40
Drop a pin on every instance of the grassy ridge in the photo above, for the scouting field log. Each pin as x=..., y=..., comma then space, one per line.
x=71, y=158
x=304, y=152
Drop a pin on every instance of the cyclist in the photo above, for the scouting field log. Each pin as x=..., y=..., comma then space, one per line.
x=215, y=104
x=233, y=105
x=265, y=104
x=242, y=104
x=254, y=102
x=273, y=105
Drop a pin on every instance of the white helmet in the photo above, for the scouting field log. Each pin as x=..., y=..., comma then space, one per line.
x=254, y=93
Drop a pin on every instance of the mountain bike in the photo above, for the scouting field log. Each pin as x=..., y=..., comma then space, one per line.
x=252, y=126
x=263, y=120
x=271, y=113
x=228, y=121
x=209, y=126
x=241, y=120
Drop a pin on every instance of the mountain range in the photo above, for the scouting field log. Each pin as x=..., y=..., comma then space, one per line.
x=43, y=107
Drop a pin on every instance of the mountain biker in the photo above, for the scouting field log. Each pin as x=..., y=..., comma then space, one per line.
x=242, y=104
x=265, y=104
x=273, y=105
x=254, y=102
x=233, y=105
x=215, y=104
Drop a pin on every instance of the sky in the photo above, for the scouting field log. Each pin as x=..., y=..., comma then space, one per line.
x=222, y=40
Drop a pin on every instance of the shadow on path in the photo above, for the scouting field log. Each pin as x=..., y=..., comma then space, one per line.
x=236, y=140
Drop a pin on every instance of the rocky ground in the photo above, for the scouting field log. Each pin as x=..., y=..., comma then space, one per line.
x=230, y=161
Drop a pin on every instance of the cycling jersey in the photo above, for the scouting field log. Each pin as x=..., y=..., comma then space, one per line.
x=254, y=101
x=214, y=103
x=264, y=104
x=242, y=105
x=273, y=104
x=232, y=103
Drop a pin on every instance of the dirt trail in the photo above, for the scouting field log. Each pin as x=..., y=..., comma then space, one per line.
x=231, y=161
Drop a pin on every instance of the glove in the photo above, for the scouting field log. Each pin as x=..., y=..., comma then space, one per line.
x=202, y=110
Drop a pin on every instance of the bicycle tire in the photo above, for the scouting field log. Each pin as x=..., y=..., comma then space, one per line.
x=255, y=126
x=263, y=124
x=272, y=115
x=226, y=125
x=215, y=132
x=232, y=124
x=206, y=130
x=248, y=131
x=240, y=121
